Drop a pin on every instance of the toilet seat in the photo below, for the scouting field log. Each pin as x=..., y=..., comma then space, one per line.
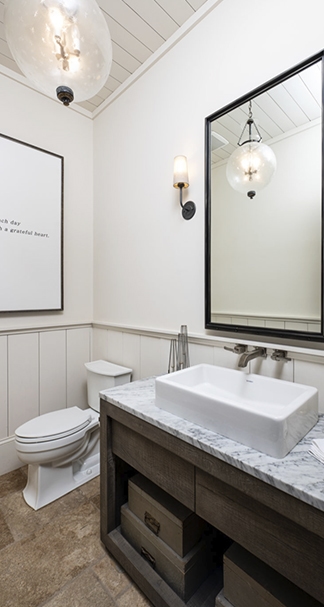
x=76, y=432
x=53, y=426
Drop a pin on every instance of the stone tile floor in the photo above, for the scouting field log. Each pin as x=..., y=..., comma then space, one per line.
x=53, y=557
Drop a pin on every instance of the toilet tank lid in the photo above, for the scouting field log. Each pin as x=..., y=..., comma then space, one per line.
x=103, y=367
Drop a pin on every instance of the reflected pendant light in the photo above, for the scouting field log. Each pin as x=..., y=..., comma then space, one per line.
x=252, y=165
x=62, y=46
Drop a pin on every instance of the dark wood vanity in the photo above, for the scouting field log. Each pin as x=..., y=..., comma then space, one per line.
x=284, y=532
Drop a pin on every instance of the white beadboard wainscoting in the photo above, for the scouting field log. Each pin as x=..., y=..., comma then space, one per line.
x=41, y=370
x=147, y=353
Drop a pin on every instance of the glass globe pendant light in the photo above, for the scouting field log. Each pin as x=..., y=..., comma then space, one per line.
x=62, y=46
x=252, y=165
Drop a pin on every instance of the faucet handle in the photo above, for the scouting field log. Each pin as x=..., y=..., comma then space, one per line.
x=238, y=348
x=280, y=356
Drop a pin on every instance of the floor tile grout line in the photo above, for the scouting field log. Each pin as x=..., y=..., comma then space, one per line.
x=119, y=594
x=70, y=582
x=42, y=525
x=122, y=584
x=104, y=587
x=34, y=532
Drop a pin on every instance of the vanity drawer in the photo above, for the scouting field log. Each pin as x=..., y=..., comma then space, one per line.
x=167, y=518
x=183, y=574
x=248, y=581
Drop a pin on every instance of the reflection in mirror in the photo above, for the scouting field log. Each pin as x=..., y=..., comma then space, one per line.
x=264, y=244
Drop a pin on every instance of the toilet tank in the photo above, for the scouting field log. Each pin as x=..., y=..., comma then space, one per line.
x=102, y=375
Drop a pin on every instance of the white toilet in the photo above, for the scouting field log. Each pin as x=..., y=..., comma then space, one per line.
x=62, y=448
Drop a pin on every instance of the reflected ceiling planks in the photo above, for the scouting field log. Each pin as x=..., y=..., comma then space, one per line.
x=292, y=104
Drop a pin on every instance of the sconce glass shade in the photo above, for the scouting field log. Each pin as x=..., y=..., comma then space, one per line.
x=60, y=43
x=180, y=172
x=251, y=167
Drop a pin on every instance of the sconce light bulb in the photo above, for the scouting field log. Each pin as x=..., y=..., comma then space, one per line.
x=181, y=181
x=180, y=172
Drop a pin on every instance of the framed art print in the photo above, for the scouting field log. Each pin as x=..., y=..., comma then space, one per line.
x=31, y=228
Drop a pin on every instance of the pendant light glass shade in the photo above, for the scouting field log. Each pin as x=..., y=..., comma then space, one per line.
x=251, y=167
x=60, y=43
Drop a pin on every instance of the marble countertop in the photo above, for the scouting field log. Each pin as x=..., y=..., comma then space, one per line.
x=298, y=474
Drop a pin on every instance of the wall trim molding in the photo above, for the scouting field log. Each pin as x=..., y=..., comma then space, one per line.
x=295, y=352
x=43, y=328
x=298, y=351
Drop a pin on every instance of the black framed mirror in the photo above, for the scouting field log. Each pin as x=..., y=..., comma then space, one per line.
x=264, y=209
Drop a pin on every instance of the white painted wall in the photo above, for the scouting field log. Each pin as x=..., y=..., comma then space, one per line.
x=44, y=371
x=33, y=118
x=148, y=261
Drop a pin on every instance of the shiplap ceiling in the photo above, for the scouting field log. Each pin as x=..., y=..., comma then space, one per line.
x=138, y=28
x=293, y=104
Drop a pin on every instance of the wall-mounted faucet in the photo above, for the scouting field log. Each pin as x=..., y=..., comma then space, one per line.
x=245, y=354
x=251, y=355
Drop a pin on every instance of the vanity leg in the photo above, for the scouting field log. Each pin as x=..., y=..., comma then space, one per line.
x=106, y=475
x=114, y=475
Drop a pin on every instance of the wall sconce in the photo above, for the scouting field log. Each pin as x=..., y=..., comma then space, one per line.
x=252, y=165
x=180, y=181
x=62, y=46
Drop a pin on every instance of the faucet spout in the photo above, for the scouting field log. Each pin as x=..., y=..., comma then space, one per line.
x=250, y=355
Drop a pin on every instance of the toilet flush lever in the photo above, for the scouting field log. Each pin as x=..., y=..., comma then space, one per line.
x=238, y=348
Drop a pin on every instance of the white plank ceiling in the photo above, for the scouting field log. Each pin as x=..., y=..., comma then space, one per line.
x=137, y=28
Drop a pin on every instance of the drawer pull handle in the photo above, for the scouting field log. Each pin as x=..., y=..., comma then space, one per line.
x=148, y=557
x=151, y=523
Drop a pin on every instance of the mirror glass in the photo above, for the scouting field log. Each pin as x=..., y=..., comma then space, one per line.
x=264, y=234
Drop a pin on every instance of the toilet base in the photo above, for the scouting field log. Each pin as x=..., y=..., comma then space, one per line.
x=46, y=483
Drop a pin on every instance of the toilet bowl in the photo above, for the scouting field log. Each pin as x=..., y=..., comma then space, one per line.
x=61, y=448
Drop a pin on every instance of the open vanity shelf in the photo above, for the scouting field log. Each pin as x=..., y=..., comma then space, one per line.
x=281, y=530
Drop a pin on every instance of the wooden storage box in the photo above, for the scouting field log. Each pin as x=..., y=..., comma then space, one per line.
x=248, y=582
x=175, y=524
x=183, y=574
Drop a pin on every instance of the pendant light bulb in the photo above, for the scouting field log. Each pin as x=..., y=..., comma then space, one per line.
x=251, y=167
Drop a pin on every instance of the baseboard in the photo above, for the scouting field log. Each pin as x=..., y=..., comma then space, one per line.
x=8, y=456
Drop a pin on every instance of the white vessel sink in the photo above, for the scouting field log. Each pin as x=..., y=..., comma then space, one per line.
x=270, y=415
